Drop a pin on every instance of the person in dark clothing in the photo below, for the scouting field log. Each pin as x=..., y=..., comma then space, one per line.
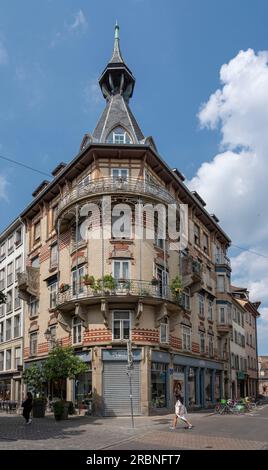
x=27, y=407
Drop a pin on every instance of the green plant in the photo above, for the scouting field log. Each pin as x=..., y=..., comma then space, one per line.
x=34, y=377
x=40, y=401
x=176, y=288
x=96, y=287
x=71, y=408
x=58, y=408
x=89, y=280
x=155, y=281
x=63, y=364
x=63, y=287
x=109, y=282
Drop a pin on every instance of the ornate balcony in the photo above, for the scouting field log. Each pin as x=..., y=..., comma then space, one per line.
x=125, y=290
x=112, y=186
x=28, y=283
x=192, y=273
x=222, y=260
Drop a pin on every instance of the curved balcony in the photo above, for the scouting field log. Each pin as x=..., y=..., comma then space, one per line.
x=127, y=290
x=113, y=186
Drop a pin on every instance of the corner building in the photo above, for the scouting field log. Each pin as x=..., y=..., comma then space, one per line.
x=176, y=344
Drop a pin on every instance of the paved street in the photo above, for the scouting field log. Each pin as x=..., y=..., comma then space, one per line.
x=243, y=432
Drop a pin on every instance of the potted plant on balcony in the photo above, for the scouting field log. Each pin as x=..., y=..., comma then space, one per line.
x=154, y=281
x=89, y=280
x=109, y=283
x=63, y=364
x=176, y=288
x=64, y=287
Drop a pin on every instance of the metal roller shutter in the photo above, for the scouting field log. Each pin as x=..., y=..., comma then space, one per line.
x=116, y=389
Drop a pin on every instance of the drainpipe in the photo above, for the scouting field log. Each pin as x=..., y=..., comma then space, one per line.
x=257, y=359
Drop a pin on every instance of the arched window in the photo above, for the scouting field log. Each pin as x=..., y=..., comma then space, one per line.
x=119, y=136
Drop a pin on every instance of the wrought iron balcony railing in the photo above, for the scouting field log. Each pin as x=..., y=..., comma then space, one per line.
x=116, y=185
x=221, y=258
x=122, y=288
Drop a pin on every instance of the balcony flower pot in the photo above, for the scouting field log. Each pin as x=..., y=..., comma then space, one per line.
x=64, y=288
x=39, y=407
x=155, y=281
x=89, y=280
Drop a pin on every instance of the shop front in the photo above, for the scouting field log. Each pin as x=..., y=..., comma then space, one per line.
x=83, y=384
x=5, y=386
x=159, y=380
x=117, y=380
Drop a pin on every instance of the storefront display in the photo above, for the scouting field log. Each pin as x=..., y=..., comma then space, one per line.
x=159, y=385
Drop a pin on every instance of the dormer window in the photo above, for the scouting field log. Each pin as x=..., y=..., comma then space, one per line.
x=119, y=136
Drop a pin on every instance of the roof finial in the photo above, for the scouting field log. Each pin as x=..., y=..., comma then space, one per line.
x=116, y=57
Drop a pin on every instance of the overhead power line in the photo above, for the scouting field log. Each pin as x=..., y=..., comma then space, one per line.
x=250, y=251
x=25, y=166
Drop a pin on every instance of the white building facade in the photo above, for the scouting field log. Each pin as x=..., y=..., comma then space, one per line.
x=12, y=261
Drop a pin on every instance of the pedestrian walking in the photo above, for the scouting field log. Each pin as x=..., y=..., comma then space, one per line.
x=27, y=407
x=181, y=413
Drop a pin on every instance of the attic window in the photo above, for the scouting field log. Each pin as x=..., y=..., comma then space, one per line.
x=119, y=136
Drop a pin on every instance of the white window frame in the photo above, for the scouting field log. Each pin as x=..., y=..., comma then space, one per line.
x=18, y=266
x=2, y=279
x=201, y=305
x=186, y=296
x=10, y=358
x=53, y=291
x=2, y=361
x=2, y=251
x=222, y=310
x=33, y=307
x=121, y=327
x=2, y=332
x=77, y=331
x=53, y=258
x=10, y=274
x=33, y=350
x=77, y=280
x=120, y=176
x=210, y=309
x=9, y=303
x=17, y=326
x=8, y=322
x=17, y=300
x=121, y=269
x=17, y=358
x=164, y=332
x=186, y=338
x=10, y=244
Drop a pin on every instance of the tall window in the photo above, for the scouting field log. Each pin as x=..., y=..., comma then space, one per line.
x=2, y=251
x=10, y=244
x=18, y=265
x=53, y=337
x=17, y=301
x=210, y=309
x=9, y=274
x=222, y=315
x=54, y=211
x=77, y=280
x=53, y=255
x=17, y=328
x=205, y=243
x=121, y=269
x=53, y=289
x=201, y=305
x=119, y=136
x=37, y=231
x=197, y=234
x=1, y=360
x=33, y=306
x=77, y=331
x=1, y=332
x=186, y=338
x=8, y=359
x=17, y=357
x=121, y=324
x=18, y=237
x=164, y=331
x=9, y=303
x=186, y=298
x=33, y=344
x=119, y=174
x=210, y=346
x=202, y=343
x=35, y=262
x=2, y=279
x=220, y=283
x=8, y=329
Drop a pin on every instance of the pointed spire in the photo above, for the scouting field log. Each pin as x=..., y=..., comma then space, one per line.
x=116, y=57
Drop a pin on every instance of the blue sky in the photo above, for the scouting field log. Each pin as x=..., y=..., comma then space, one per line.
x=51, y=55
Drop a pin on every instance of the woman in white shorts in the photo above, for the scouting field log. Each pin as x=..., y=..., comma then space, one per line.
x=181, y=413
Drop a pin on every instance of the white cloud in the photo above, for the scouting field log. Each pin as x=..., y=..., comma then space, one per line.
x=3, y=186
x=3, y=54
x=234, y=183
x=78, y=25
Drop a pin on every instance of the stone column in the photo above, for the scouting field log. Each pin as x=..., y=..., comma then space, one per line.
x=213, y=376
x=202, y=387
x=197, y=386
x=186, y=389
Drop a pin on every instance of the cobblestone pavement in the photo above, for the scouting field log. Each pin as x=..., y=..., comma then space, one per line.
x=243, y=432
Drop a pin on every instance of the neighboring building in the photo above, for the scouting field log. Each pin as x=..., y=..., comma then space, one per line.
x=12, y=258
x=251, y=343
x=263, y=375
x=238, y=351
